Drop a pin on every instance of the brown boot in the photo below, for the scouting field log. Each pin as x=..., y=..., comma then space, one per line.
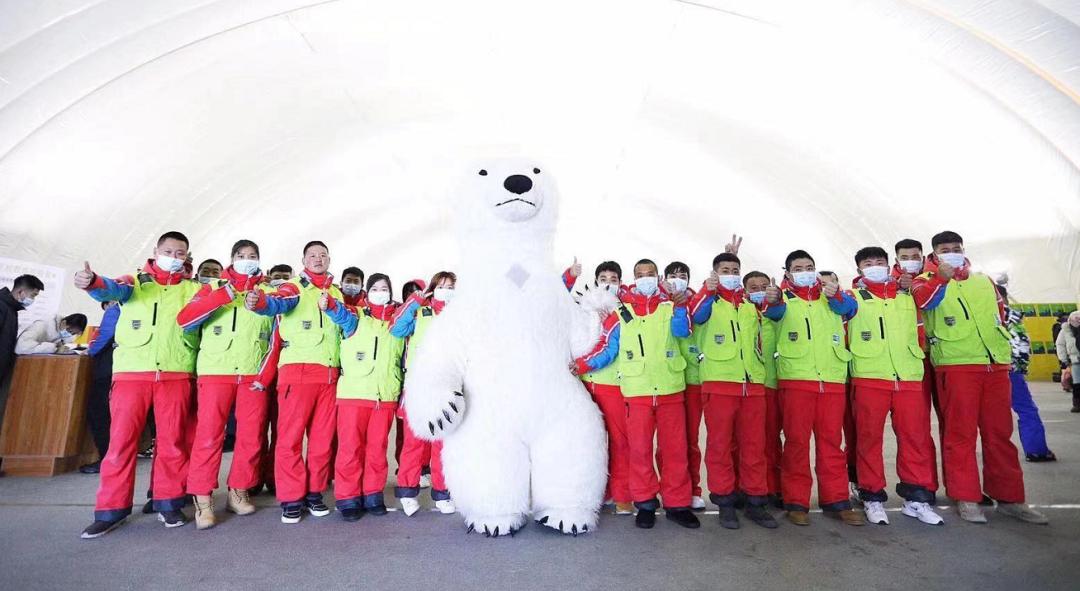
x=240, y=502
x=848, y=516
x=624, y=508
x=204, y=512
x=798, y=517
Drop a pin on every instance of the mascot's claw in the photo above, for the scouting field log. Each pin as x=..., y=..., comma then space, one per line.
x=568, y=521
x=447, y=419
x=496, y=526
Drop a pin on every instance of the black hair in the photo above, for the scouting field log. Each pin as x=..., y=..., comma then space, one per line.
x=1004, y=293
x=608, y=266
x=376, y=277
x=726, y=257
x=243, y=243
x=908, y=243
x=76, y=321
x=647, y=262
x=675, y=267
x=173, y=235
x=354, y=271
x=753, y=274
x=945, y=237
x=315, y=243
x=281, y=268
x=28, y=282
x=797, y=254
x=823, y=273
x=215, y=261
x=408, y=289
x=869, y=252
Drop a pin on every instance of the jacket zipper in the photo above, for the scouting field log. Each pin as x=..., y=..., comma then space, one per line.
x=809, y=336
x=964, y=308
x=153, y=319
x=734, y=334
x=375, y=353
x=641, y=344
x=234, y=310
x=881, y=323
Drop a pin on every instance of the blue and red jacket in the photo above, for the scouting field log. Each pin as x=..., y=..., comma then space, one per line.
x=607, y=348
x=701, y=302
x=209, y=300
x=103, y=289
x=348, y=317
x=281, y=302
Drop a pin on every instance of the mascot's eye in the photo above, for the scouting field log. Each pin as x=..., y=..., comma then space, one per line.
x=536, y=171
x=483, y=173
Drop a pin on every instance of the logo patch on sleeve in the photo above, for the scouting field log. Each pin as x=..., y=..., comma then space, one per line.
x=426, y=312
x=306, y=324
x=950, y=321
x=793, y=336
x=217, y=331
x=136, y=324
x=719, y=338
x=629, y=355
x=866, y=335
x=359, y=355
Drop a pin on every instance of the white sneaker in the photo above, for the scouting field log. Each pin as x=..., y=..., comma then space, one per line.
x=1022, y=512
x=970, y=512
x=425, y=481
x=446, y=507
x=923, y=512
x=410, y=506
x=875, y=512
x=697, y=503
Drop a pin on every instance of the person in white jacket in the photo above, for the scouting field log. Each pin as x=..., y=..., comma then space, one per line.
x=49, y=336
x=1068, y=352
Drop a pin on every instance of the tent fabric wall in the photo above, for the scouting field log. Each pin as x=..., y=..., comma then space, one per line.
x=824, y=125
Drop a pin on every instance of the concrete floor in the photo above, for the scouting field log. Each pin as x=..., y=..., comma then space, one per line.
x=40, y=520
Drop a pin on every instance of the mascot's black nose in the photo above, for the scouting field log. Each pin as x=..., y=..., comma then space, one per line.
x=517, y=184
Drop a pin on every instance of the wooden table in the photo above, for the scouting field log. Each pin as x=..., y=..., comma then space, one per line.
x=44, y=431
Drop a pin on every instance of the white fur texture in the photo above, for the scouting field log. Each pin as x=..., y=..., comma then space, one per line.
x=531, y=441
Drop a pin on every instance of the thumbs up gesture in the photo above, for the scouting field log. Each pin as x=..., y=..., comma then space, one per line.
x=713, y=281
x=575, y=269
x=251, y=299
x=905, y=282
x=829, y=287
x=946, y=270
x=772, y=292
x=84, y=277
x=324, y=300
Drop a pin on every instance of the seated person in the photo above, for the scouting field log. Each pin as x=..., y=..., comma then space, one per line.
x=51, y=336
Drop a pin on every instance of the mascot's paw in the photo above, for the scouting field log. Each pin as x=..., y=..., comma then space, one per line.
x=442, y=418
x=493, y=526
x=598, y=300
x=572, y=521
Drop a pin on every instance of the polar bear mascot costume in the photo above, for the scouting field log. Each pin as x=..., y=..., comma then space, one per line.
x=521, y=435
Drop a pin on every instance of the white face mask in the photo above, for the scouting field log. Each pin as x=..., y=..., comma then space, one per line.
x=379, y=298
x=66, y=336
x=443, y=294
x=758, y=297
x=246, y=266
x=804, y=278
x=678, y=284
x=955, y=259
x=26, y=302
x=351, y=289
x=911, y=267
x=730, y=282
x=168, y=263
x=608, y=287
x=646, y=286
x=277, y=282
x=876, y=274
x=204, y=279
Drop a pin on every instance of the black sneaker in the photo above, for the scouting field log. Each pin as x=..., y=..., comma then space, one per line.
x=94, y=468
x=147, y=453
x=683, y=517
x=646, y=518
x=99, y=528
x=353, y=513
x=1046, y=457
x=148, y=507
x=761, y=516
x=379, y=509
x=776, y=501
x=255, y=490
x=290, y=514
x=740, y=500
x=728, y=518
x=172, y=518
x=316, y=507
